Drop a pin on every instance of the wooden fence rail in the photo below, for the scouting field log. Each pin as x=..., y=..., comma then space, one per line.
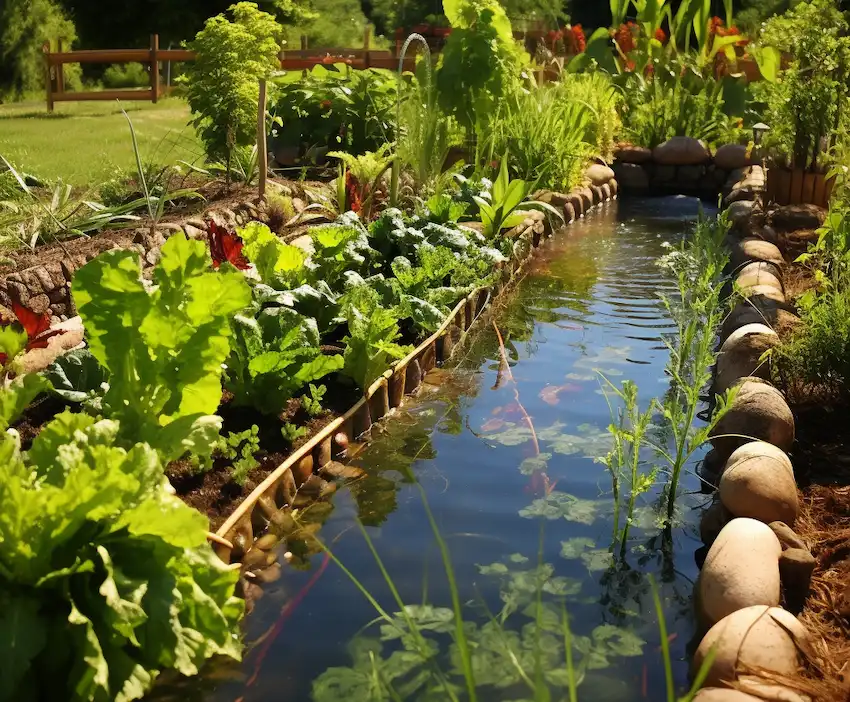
x=302, y=59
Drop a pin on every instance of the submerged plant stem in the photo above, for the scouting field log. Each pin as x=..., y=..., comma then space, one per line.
x=507, y=368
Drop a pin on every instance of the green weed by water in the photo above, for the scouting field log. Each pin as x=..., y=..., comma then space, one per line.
x=667, y=426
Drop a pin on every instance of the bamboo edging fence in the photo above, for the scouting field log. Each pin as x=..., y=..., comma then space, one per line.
x=238, y=534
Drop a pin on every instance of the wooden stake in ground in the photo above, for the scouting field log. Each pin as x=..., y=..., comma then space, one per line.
x=262, y=148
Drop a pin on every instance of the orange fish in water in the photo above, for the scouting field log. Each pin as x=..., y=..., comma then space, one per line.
x=550, y=393
x=493, y=424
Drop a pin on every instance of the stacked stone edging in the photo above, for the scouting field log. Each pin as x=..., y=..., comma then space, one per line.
x=686, y=166
x=46, y=287
x=755, y=560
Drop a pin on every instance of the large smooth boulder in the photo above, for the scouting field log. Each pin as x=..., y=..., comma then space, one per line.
x=790, y=218
x=759, y=412
x=741, y=570
x=741, y=354
x=758, y=310
x=752, y=637
x=632, y=177
x=681, y=151
x=751, y=250
x=768, y=292
x=759, y=273
x=629, y=153
x=739, y=212
x=599, y=174
x=731, y=156
x=70, y=337
x=758, y=482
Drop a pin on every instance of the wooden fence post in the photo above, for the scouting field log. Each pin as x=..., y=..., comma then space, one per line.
x=154, y=67
x=47, y=82
x=367, y=35
x=262, y=148
x=60, y=70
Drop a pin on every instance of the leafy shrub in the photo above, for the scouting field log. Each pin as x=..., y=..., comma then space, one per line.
x=678, y=101
x=276, y=352
x=223, y=81
x=809, y=100
x=108, y=579
x=818, y=351
x=163, y=346
x=372, y=341
x=125, y=75
x=480, y=64
x=25, y=26
x=333, y=107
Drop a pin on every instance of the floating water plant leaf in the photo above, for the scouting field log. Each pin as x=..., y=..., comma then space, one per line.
x=534, y=464
x=513, y=435
x=619, y=641
x=581, y=377
x=590, y=441
x=493, y=424
x=426, y=618
x=594, y=559
x=560, y=505
x=517, y=558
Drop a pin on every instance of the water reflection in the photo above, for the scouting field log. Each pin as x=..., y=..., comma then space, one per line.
x=589, y=304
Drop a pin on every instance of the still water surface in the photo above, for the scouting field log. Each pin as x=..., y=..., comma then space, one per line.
x=588, y=305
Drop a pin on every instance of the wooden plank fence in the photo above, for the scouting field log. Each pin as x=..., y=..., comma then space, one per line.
x=302, y=59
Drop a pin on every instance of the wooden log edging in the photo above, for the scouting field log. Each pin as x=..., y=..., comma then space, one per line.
x=755, y=562
x=243, y=530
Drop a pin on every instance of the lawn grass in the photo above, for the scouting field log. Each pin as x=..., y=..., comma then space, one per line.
x=85, y=143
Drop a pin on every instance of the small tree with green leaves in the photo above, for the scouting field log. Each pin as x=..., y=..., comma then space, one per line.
x=223, y=81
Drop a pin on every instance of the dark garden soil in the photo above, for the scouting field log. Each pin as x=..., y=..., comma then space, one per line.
x=215, y=493
x=217, y=196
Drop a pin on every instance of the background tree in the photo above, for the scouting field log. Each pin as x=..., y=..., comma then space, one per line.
x=25, y=26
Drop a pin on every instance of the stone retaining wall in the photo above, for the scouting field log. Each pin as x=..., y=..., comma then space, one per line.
x=46, y=287
x=756, y=572
x=682, y=166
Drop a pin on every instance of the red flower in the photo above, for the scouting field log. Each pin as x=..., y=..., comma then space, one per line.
x=625, y=37
x=352, y=192
x=37, y=328
x=715, y=25
x=325, y=104
x=579, y=42
x=225, y=247
x=661, y=35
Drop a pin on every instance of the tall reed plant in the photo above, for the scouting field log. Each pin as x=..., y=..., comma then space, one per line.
x=697, y=312
x=545, y=136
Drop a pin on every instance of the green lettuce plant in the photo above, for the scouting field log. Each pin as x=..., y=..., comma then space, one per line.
x=163, y=344
x=107, y=578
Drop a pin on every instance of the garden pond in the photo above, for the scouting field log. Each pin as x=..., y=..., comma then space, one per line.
x=521, y=510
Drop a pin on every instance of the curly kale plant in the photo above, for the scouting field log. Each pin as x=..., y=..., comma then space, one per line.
x=223, y=80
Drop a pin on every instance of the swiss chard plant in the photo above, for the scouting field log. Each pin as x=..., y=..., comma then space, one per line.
x=275, y=353
x=107, y=579
x=162, y=344
x=373, y=333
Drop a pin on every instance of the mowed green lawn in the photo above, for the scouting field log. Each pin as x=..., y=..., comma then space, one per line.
x=85, y=143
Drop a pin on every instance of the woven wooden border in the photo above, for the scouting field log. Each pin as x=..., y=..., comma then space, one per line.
x=237, y=535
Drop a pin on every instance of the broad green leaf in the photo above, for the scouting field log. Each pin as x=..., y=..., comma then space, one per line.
x=13, y=341
x=23, y=635
x=15, y=397
x=76, y=376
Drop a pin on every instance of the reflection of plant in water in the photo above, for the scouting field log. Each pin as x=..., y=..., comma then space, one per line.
x=526, y=643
